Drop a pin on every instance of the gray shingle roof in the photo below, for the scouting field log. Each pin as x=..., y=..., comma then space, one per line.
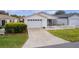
x=52, y=15
x=6, y=17
x=65, y=15
x=43, y=14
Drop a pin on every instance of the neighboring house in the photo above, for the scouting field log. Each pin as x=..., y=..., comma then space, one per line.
x=6, y=19
x=74, y=20
x=42, y=19
x=62, y=20
x=70, y=19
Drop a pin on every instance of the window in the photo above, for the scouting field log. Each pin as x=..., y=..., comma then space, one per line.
x=37, y=19
x=29, y=19
x=22, y=20
x=34, y=19
x=40, y=19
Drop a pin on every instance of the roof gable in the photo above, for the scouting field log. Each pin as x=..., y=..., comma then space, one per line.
x=74, y=16
x=43, y=14
x=36, y=16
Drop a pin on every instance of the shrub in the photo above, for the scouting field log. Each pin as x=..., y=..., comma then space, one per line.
x=0, y=27
x=15, y=27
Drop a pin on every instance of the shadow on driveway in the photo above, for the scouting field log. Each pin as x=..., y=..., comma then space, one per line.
x=65, y=45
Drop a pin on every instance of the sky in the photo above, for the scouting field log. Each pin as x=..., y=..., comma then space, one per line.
x=30, y=12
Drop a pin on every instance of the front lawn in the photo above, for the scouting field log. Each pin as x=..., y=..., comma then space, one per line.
x=13, y=40
x=67, y=34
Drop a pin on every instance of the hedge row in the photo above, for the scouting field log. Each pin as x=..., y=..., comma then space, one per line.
x=15, y=27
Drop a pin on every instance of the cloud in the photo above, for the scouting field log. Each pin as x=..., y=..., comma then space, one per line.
x=51, y=11
x=47, y=11
x=29, y=12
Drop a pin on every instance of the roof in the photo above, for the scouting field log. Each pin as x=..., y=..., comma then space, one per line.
x=49, y=16
x=66, y=15
x=61, y=16
x=43, y=14
x=6, y=17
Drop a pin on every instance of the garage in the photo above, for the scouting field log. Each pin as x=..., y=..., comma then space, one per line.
x=74, y=22
x=34, y=23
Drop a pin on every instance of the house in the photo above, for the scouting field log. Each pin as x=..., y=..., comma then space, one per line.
x=68, y=19
x=74, y=20
x=62, y=19
x=6, y=19
x=39, y=20
x=42, y=19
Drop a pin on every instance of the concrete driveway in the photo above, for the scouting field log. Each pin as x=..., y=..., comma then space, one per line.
x=40, y=37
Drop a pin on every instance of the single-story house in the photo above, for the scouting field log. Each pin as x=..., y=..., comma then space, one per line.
x=39, y=20
x=42, y=19
x=68, y=19
x=6, y=19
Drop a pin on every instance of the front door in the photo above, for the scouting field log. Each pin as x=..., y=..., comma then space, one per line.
x=3, y=22
x=49, y=22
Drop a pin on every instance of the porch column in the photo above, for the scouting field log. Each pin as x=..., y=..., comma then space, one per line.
x=44, y=22
x=67, y=21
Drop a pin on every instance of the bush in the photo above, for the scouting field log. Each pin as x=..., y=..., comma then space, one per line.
x=0, y=27
x=15, y=27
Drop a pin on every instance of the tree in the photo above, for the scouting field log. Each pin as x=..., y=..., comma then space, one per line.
x=3, y=12
x=15, y=16
x=60, y=12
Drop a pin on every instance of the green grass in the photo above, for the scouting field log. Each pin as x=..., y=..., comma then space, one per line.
x=71, y=35
x=13, y=40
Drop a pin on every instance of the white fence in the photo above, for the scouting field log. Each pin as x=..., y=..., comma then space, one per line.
x=61, y=27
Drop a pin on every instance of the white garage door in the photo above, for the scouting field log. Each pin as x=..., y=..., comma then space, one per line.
x=34, y=23
x=74, y=22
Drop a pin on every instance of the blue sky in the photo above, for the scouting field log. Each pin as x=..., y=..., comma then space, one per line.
x=30, y=12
